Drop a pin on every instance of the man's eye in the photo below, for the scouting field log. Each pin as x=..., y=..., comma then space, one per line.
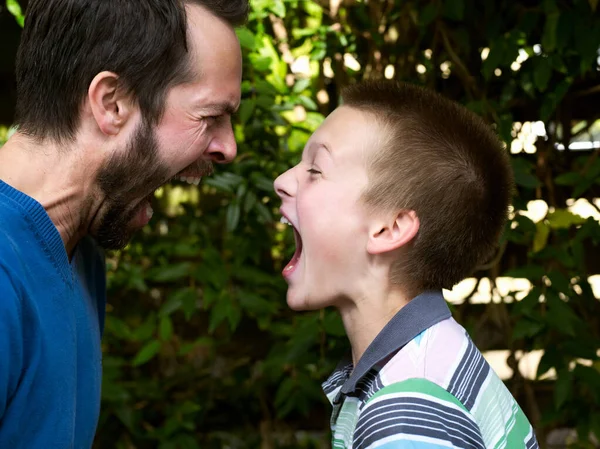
x=211, y=119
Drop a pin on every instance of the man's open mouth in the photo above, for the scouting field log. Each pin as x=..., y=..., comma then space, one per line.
x=191, y=175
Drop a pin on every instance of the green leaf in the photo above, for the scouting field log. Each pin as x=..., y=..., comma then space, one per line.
x=549, y=34
x=246, y=38
x=249, y=201
x=526, y=328
x=263, y=183
x=560, y=315
x=147, y=353
x=176, y=300
x=563, y=219
x=568, y=179
x=522, y=172
x=559, y=282
x=222, y=310
x=541, y=236
x=264, y=212
x=532, y=272
x=173, y=272
x=233, y=216
x=551, y=358
x=562, y=390
x=528, y=306
x=246, y=110
x=146, y=330
x=301, y=85
x=14, y=8
x=278, y=7
x=542, y=73
x=552, y=99
x=165, y=328
x=308, y=103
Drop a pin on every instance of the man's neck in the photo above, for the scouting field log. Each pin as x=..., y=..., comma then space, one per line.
x=56, y=178
x=364, y=318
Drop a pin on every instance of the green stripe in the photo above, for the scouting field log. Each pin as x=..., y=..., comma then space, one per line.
x=419, y=385
x=522, y=428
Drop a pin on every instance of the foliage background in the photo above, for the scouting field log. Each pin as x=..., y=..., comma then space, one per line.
x=200, y=348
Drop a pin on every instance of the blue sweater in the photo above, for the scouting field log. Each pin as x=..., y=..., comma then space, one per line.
x=51, y=319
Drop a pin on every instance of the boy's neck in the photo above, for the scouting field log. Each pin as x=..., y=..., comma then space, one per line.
x=363, y=319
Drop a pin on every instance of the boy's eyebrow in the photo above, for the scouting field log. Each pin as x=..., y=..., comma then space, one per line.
x=315, y=146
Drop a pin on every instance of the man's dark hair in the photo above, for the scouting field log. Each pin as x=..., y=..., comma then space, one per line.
x=66, y=43
x=445, y=163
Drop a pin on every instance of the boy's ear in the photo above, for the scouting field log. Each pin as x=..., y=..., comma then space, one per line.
x=110, y=105
x=386, y=236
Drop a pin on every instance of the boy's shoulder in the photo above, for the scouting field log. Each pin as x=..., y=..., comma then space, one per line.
x=439, y=354
x=441, y=374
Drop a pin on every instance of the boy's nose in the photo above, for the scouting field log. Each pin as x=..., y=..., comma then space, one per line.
x=284, y=184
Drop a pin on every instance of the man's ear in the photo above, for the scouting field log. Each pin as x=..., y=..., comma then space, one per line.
x=109, y=104
x=387, y=236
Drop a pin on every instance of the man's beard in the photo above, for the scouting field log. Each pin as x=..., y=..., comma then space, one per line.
x=125, y=179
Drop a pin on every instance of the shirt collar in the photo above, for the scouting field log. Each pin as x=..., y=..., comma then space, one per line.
x=418, y=315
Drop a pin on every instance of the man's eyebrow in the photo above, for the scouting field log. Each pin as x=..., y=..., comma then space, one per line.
x=227, y=107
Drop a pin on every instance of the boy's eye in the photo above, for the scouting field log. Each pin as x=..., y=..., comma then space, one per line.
x=313, y=171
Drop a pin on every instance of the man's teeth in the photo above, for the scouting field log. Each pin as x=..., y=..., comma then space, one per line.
x=149, y=211
x=195, y=180
x=285, y=221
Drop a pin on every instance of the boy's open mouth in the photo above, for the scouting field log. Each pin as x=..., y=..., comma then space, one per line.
x=293, y=263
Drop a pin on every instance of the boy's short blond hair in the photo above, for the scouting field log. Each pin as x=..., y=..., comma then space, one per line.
x=445, y=163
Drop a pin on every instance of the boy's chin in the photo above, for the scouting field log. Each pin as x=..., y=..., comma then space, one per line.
x=301, y=301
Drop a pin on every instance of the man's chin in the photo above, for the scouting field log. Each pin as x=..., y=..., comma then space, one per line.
x=115, y=234
x=114, y=242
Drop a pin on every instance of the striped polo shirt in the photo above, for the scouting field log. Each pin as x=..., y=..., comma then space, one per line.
x=422, y=384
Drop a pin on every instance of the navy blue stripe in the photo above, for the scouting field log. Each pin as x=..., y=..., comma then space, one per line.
x=416, y=417
x=532, y=443
x=469, y=376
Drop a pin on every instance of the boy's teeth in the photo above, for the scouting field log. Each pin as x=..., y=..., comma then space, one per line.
x=285, y=221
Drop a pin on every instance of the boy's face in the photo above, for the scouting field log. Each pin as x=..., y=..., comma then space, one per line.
x=321, y=197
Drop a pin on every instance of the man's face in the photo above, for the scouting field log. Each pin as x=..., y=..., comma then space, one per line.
x=194, y=131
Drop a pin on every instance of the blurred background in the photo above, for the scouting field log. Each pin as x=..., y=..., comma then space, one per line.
x=200, y=348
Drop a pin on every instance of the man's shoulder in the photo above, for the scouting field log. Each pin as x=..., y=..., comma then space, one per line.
x=10, y=236
x=14, y=230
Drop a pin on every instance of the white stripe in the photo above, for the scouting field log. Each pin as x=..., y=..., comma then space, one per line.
x=467, y=442
x=406, y=437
